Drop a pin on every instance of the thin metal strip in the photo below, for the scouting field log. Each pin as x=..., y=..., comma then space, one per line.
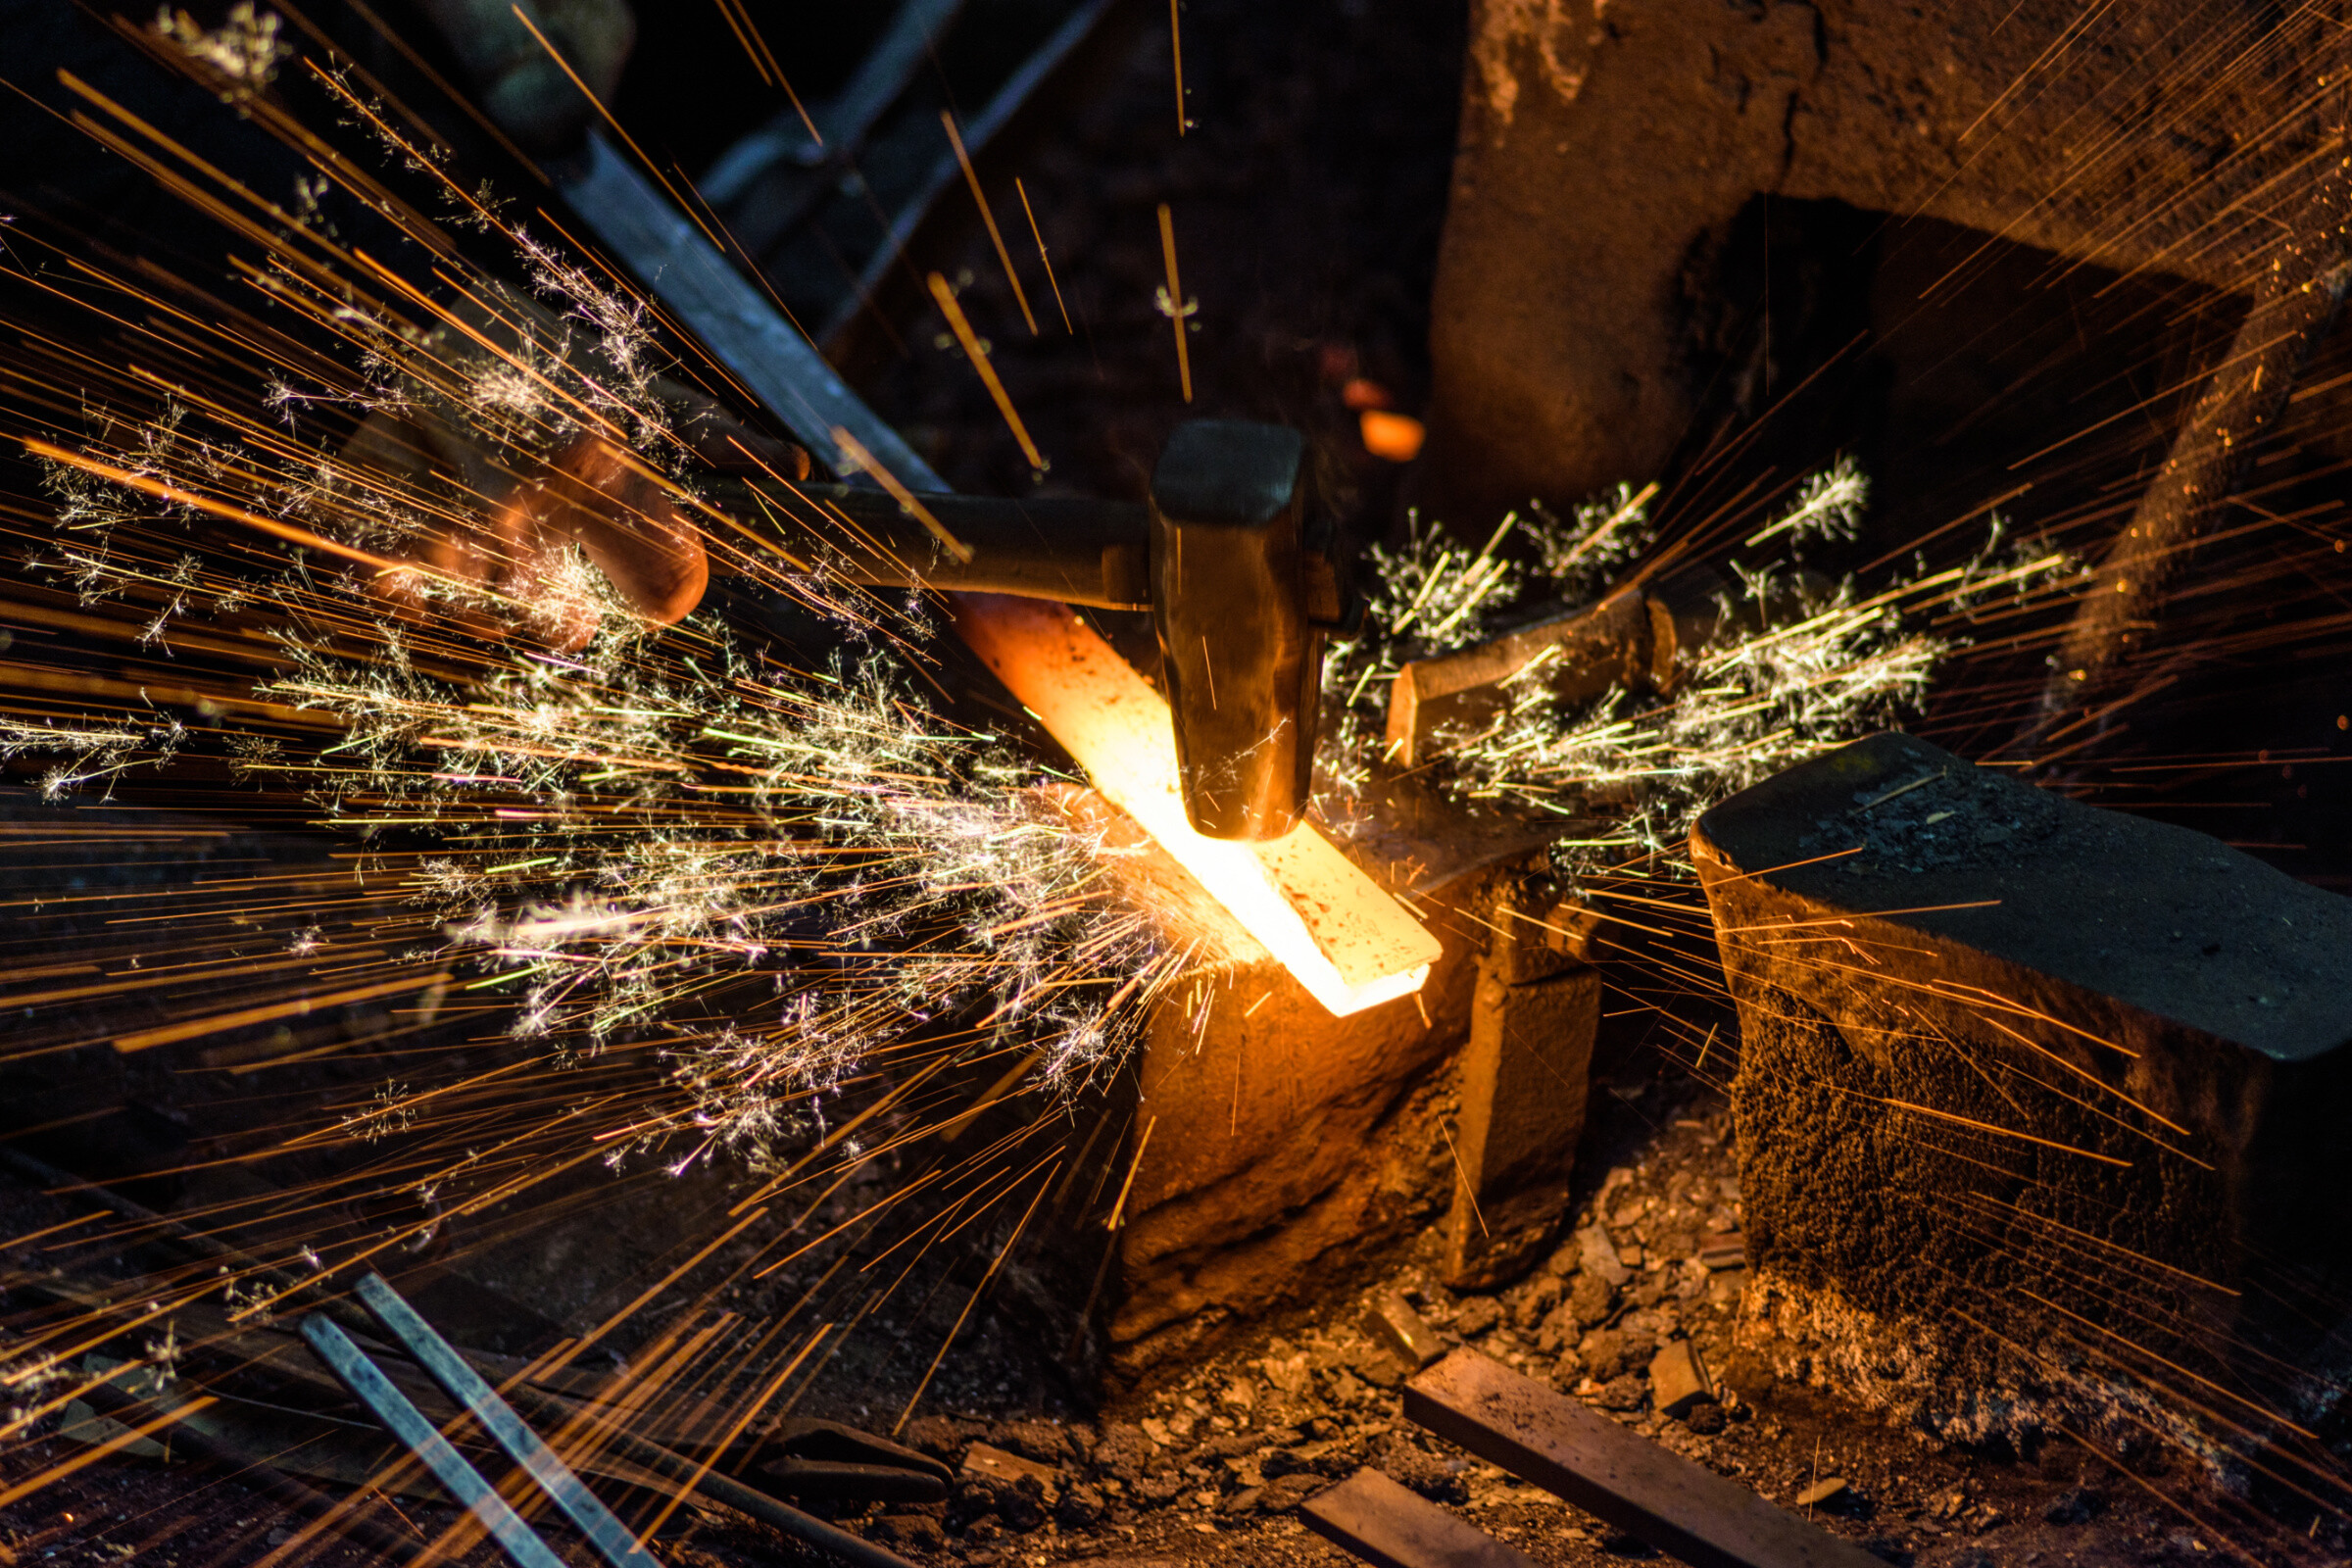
x=611, y=1537
x=406, y=1422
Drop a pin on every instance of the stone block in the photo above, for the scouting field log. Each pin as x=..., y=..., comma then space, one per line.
x=1525, y=1075
x=2000, y=1048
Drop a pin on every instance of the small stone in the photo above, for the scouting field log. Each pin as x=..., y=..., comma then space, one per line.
x=1004, y=1472
x=1081, y=1508
x=937, y=1436
x=1046, y=1441
x=1678, y=1381
x=1284, y=1493
x=1238, y=1395
x=1707, y=1419
x=1601, y=1256
x=1477, y=1315
x=1612, y=1354
x=1559, y=1331
x=1591, y=1299
x=1243, y=1501
x=1821, y=1491
x=1400, y=1328
x=1288, y=1374
x=1532, y=1301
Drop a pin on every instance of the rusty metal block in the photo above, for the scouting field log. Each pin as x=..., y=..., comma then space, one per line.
x=1525, y=1075
x=1384, y=1523
x=2000, y=1048
x=1613, y=1472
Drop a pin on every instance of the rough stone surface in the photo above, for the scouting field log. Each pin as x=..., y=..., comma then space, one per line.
x=1605, y=160
x=1998, y=1046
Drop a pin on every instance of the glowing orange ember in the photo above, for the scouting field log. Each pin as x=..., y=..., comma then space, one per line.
x=1347, y=941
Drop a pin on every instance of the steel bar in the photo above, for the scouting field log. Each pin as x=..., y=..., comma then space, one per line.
x=1392, y=1526
x=734, y=1494
x=457, y=1379
x=743, y=172
x=2296, y=302
x=1614, y=1473
x=405, y=1421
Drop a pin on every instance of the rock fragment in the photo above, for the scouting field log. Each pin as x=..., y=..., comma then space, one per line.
x=1678, y=1380
x=1824, y=1490
x=1399, y=1329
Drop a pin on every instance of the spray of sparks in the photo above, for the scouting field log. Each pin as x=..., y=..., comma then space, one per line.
x=1791, y=664
x=776, y=868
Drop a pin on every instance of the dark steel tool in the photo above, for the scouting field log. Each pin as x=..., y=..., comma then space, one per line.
x=1241, y=592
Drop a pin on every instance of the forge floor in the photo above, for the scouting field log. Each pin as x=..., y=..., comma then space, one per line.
x=1209, y=1462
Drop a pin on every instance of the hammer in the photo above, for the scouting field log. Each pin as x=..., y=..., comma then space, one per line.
x=1240, y=593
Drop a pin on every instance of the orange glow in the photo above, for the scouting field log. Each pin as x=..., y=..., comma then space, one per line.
x=1349, y=944
x=1393, y=436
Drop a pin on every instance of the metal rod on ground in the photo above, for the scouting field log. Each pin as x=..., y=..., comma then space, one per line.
x=460, y=1479
x=457, y=1379
x=1613, y=1472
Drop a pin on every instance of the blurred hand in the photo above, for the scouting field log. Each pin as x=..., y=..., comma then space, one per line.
x=492, y=516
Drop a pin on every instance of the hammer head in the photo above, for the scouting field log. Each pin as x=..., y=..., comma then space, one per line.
x=1232, y=591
